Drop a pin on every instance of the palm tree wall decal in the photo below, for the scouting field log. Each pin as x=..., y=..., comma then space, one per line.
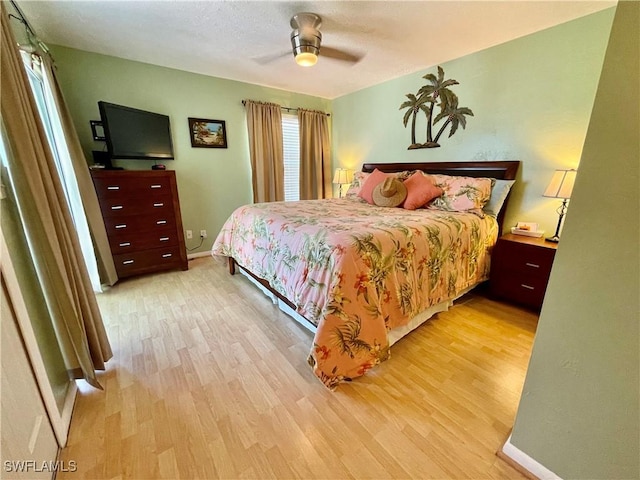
x=413, y=106
x=435, y=93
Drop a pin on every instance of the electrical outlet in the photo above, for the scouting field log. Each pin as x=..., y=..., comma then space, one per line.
x=203, y=234
x=189, y=234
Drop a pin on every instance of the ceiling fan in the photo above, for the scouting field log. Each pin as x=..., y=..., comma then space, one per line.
x=306, y=42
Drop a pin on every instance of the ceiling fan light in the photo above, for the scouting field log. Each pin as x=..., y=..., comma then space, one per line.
x=306, y=59
x=305, y=42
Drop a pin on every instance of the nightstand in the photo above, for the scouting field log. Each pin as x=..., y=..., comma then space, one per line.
x=520, y=268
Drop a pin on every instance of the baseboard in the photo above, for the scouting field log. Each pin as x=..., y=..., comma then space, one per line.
x=524, y=463
x=191, y=256
x=67, y=410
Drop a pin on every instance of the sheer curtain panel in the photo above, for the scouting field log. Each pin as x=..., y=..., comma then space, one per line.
x=264, y=124
x=72, y=168
x=315, y=155
x=48, y=226
x=76, y=176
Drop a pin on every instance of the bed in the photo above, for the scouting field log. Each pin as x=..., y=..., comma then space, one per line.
x=360, y=276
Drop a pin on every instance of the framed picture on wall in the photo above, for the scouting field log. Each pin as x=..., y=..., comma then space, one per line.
x=206, y=133
x=97, y=130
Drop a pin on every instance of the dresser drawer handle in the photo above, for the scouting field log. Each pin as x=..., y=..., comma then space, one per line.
x=528, y=287
x=125, y=244
x=158, y=204
x=166, y=255
x=123, y=225
x=532, y=265
x=164, y=239
x=117, y=207
x=156, y=186
x=161, y=222
x=113, y=187
x=127, y=262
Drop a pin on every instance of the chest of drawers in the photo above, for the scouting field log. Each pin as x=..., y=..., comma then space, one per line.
x=520, y=268
x=141, y=212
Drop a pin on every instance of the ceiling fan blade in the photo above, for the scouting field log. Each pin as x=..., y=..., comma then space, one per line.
x=342, y=55
x=263, y=60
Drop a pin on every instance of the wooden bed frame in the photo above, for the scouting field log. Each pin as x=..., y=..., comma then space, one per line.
x=504, y=170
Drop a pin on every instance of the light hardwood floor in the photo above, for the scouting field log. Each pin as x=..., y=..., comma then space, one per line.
x=210, y=380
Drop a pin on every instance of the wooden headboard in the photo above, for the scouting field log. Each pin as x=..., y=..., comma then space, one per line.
x=504, y=170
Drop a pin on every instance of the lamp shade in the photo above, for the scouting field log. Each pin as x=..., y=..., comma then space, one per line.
x=342, y=176
x=561, y=184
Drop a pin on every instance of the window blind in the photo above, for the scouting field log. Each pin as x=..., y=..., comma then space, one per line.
x=291, y=143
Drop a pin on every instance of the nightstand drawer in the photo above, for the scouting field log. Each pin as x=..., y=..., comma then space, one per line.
x=524, y=258
x=524, y=289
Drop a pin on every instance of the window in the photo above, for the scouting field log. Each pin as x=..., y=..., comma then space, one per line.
x=291, y=143
x=42, y=92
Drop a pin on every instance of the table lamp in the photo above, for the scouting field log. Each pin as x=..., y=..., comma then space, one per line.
x=340, y=178
x=560, y=186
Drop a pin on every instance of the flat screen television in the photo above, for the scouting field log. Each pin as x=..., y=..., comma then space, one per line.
x=133, y=133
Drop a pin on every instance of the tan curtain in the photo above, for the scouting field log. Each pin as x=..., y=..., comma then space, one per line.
x=106, y=267
x=315, y=155
x=264, y=123
x=47, y=222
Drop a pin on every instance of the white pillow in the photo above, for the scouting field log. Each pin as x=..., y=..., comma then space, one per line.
x=499, y=193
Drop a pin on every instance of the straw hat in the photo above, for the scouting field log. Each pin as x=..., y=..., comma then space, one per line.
x=389, y=193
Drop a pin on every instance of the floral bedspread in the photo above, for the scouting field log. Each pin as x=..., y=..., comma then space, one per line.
x=357, y=270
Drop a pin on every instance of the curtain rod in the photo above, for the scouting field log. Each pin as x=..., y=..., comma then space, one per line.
x=288, y=109
x=21, y=18
x=34, y=40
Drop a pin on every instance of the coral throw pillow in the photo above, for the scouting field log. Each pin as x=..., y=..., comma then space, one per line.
x=420, y=191
x=370, y=183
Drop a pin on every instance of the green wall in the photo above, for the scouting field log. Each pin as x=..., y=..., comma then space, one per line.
x=211, y=182
x=531, y=99
x=579, y=412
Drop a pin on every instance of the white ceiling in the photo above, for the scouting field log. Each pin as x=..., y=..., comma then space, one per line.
x=230, y=39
